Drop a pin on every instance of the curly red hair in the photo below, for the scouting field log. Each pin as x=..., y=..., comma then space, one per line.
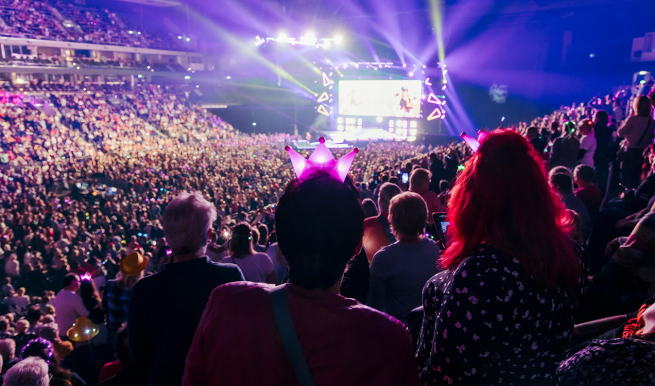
x=503, y=199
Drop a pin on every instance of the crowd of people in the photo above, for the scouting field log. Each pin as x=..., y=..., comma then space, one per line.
x=47, y=20
x=116, y=207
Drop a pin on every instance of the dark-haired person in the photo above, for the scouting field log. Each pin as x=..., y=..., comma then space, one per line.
x=128, y=374
x=319, y=225
x=256, y=266
x=566, y=148
x=603, y=134
x=400, y=270
x=165, y=308
x=563, y=185
x=419, y=182
x=587, y=191
x=68, y=303
x=370, y=210
x=637, y=132
x=503, y=311
x=41, y=348
x=377, y=230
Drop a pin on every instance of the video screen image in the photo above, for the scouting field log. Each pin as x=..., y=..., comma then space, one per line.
x=380, y=98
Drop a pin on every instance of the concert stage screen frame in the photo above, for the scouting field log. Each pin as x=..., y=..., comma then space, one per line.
x=380, y=98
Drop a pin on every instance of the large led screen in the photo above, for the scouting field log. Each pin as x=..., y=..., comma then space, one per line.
x=380, y=98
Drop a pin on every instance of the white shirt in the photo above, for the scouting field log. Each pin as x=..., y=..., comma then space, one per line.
x=68, y=307
x=588, y=143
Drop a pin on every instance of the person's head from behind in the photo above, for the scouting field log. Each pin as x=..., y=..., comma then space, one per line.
x=554, y=126
x=22, y=326
x=562, y=183
x=502, y=198
x=241, y=241
x=40, y=348
x=8, y=349
x=602, y=117
x=419, y=180
x=408, y=215
x=319, y=225
x=187, y=224
x=31, y=371
x=532, y=133
x=71, y=282
x=263, y=234
x=4, y=324
x=20, y=291
x=370, y=210
x=387, y=192
x=642, y=106
x=585, y=126
x=583, y=175
x=444, y=186
x=33, y=315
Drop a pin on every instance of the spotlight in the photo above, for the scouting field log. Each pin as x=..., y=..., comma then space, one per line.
x=379, y=119
x=404, y=66
x=327, y=44
x=338, y=39
x=411, y=74
x=187, y=39
x=254, y=123
x=282, y=38
x=179, y=37
x=340, y=120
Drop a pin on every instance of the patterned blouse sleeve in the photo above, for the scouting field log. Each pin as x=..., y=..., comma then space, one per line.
x=471, y=317
x=430, y=305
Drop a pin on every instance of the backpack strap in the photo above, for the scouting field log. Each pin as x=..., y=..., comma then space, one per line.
x=289, y=336
x=387, y=228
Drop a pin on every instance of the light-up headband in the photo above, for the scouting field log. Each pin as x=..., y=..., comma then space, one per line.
x=473, y=143
x=321, y=162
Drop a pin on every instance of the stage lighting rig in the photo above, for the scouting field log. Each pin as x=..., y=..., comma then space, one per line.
x=307, y=40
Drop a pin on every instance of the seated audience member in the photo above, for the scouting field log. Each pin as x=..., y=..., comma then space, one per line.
x=626, y=278
x=256, y=266
x=400, y=270
x=68, y=303
x=563, y=184
x=319, y=225
x=29, y=372
x=587, y=143
x=537, y=142
x=128, y=373
x=587, y=192
x=626, y=360
x=41, y=348
x=566, y=148
x=377, y=231
x=116, y=295
x=8, y=352
x=4, y=328
x=22, y=335
x=419, y=182
x=88, y=357
x=485, y=320
x=165, y=308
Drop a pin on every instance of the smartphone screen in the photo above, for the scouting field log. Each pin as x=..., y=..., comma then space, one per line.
x=404, y=178
x=442, y=224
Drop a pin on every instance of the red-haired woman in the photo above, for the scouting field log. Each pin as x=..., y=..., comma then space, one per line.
x=502, y=312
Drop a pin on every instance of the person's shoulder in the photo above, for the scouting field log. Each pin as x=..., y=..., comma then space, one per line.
x=241, y=292
x=378, y=321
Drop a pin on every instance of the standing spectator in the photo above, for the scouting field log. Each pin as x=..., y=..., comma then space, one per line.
x=377, y=231
x=12, y=267
x=637, y=133
x=68, y=304
x=256, y=266
x=400, y=270
x=587, y=192
x=116, y=295
x=165, y=308
x=319, y=224
x=496, y=315
x=603, y=134
x=566, y=148
x=587, y=143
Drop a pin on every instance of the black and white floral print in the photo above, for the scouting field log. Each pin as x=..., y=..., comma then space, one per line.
x=489, y=322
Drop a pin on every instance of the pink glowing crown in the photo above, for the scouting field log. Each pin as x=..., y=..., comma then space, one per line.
x=321, y=162
x=473, y=143
x=86, y=276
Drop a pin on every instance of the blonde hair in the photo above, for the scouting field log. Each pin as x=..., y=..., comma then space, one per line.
x=127, y=282
x=20, y=291
x=408, y=214
x=419, y=177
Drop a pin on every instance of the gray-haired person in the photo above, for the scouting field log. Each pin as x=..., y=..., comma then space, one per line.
x=165, y=308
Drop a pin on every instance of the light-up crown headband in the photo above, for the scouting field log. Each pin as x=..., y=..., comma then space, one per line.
x=473, y=143
x=321, y=162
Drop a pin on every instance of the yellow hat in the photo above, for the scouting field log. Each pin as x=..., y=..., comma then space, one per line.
x=133, y=264
x=82, y=330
